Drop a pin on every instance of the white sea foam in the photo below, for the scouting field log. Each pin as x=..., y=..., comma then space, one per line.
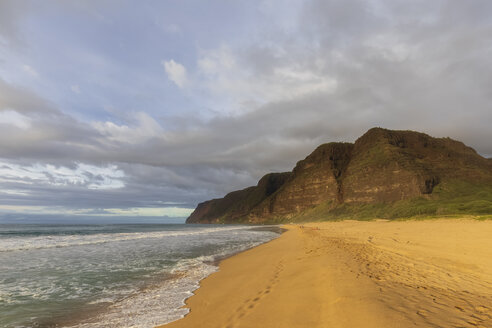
x=163, y=302
x=10, y=244
x=153, y=306
x=132, y=279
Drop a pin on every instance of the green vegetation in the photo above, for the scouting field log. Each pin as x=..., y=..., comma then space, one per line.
x=385, y=174
x=378, y=155
x=454, y=199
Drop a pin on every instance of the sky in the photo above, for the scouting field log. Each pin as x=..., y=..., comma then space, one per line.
x=145, y=108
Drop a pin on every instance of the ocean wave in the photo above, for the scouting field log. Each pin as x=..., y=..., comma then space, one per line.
x=23, y=243
x=150, y=307
x=140, y=283
x=162, y=303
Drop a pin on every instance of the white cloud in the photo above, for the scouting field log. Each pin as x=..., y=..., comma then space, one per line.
x=75, y=88
x=145, y=128
x=31, y=71
x=175, y=72
x=217, y=61
x=283, y=83
x=16, y=192
x=84, y=175
x=12, y=117
x=106, y=212
x=246, y=87
x=172, y=29
x=389, y=47
x=151, y=211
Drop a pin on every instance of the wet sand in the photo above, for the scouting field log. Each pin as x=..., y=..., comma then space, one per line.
x=435, y=273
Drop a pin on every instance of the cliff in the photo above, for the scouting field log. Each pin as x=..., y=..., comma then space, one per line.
x=384, y=173
x=238, y=204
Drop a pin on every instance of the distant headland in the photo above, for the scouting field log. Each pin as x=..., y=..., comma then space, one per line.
x=384, y=174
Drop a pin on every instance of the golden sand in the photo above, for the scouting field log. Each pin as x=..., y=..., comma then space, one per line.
x=435, y=273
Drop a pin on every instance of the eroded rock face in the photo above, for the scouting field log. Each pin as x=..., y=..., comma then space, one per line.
x=383, y=170
x=315, y=179
x=239, y=203
x=390, y=165
x=381, y=166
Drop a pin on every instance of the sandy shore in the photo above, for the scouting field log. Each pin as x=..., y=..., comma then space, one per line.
x=434, y=273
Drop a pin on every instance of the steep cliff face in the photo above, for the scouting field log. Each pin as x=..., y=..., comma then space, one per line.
x=395, y=165
x=381, y=167
x=314, y=180
x=239, y=203
x=389, y=166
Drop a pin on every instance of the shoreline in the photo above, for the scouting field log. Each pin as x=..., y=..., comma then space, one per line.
x=217, y=260
x=157, y=287
x=125, y=276
x=351, y=274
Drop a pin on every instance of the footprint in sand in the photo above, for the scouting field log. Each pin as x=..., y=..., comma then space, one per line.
x=460, y=308
x=482, y=309
x=249, y=303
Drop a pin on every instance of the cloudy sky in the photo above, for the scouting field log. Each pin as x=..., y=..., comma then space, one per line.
x=145, y=108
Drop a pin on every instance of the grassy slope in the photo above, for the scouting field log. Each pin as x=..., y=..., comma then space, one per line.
x=456, y=198
x=465, y=190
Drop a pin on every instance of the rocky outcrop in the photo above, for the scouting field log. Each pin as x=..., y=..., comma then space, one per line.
x=382, y=166
x=314, y=180
x=394, y=165
x=239, y=203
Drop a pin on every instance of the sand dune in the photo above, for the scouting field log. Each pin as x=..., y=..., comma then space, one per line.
x=434, y=273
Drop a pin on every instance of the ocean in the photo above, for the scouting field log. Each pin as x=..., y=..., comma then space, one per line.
x=114, y=275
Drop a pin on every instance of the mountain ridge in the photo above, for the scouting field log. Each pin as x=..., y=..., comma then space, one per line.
x=382, y=171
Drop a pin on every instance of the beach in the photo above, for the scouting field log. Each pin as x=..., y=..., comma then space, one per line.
x=432, y=273
x=114, y=275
